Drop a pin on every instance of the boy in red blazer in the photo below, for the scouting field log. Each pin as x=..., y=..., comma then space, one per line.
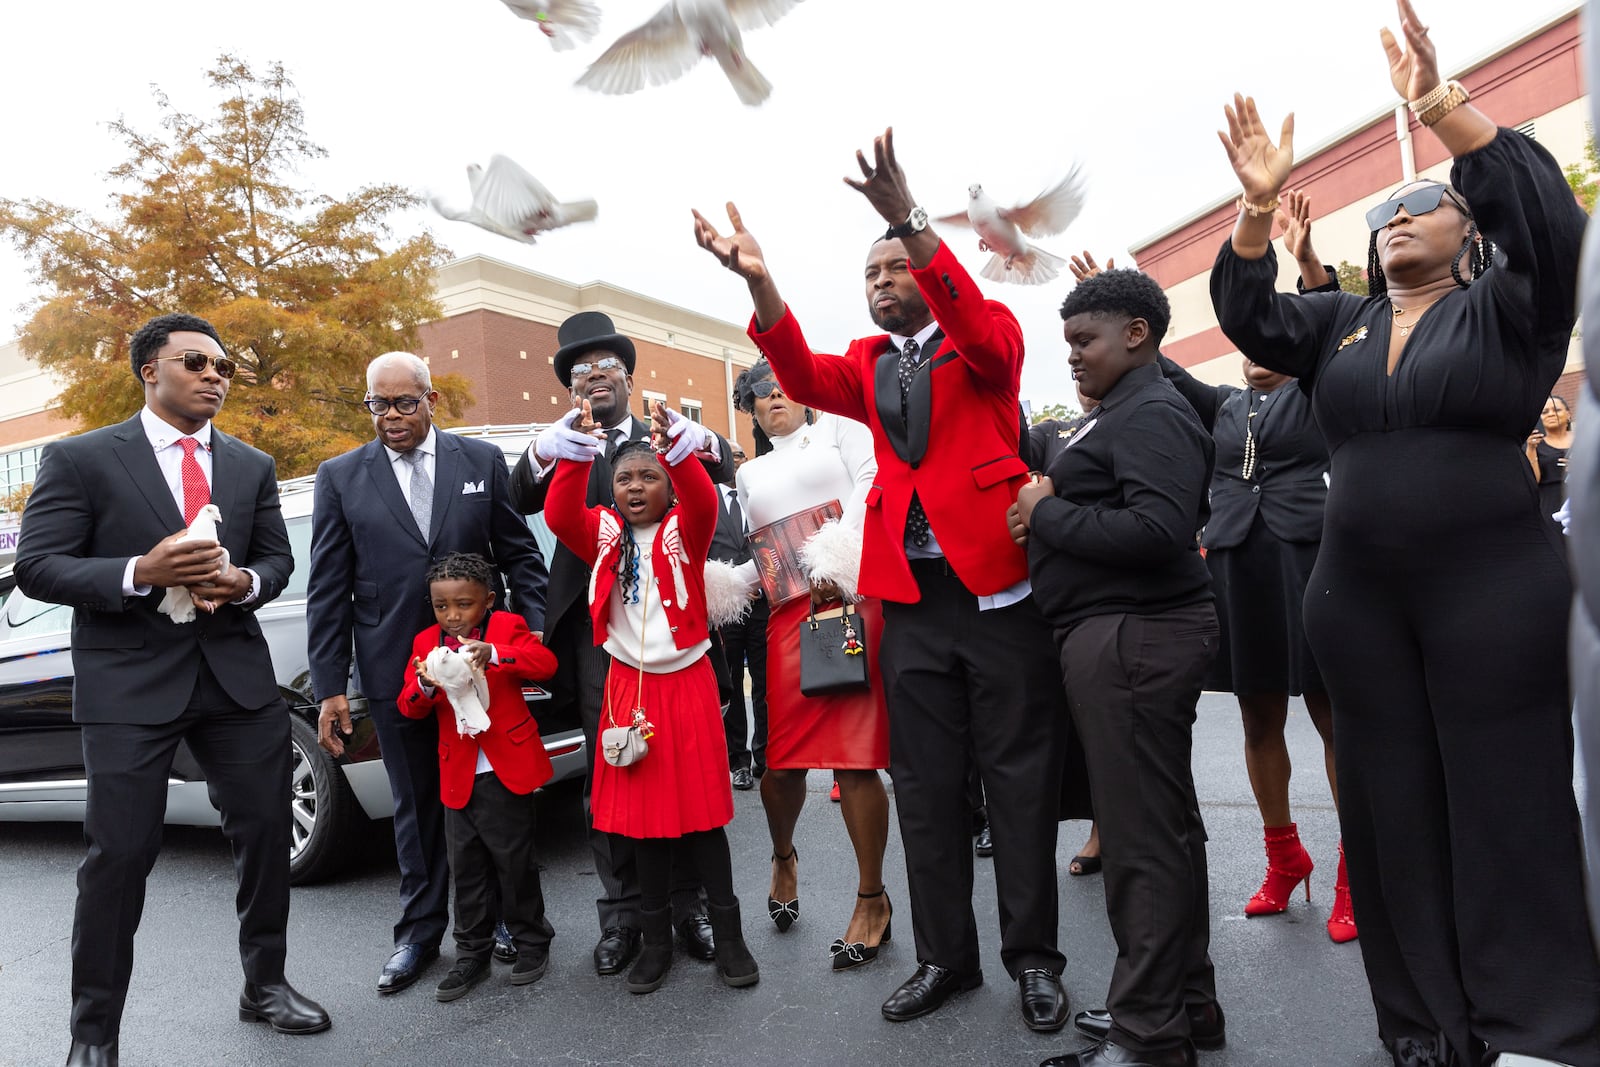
x=966, y=656
x=490, y=762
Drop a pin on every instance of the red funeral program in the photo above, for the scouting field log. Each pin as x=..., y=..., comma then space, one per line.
x=776, y=551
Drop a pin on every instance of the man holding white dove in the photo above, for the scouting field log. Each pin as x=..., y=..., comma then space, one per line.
x=105, y=531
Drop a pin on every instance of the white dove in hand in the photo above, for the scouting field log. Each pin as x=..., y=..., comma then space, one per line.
x=466, y=687
x=1005, y=230
x=565, y=22
x=680, y=34
x=509, y=201
x=178, y=603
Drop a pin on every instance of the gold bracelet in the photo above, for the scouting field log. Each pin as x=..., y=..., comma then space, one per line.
x=1255, y=211
x=1454, y=98
x=1429, y=98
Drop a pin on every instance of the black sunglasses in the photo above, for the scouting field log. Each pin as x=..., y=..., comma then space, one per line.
x=1418, y=202
x=195, y=363
x=766, y=387
x=380, y=405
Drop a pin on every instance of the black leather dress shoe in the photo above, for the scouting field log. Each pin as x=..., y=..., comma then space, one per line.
x=983, y=844
x=505, y=949
x=615, y=949
x=405, y=966
x=288, y=1011
x=1208, y=1029
x=926, y=990
x=1106, y=1054
x=742, y=778
x=698, y=940
x=81, y=1055
x=1044, y=1002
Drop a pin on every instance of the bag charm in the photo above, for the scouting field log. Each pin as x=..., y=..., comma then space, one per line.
x=852, y=644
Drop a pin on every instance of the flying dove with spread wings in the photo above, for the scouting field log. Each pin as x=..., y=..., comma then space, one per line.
x=679, y=36
x=509, y=201
x=1005, y=230
x=565, y=22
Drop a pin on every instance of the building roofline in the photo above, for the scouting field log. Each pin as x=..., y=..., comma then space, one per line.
x=1383, y=115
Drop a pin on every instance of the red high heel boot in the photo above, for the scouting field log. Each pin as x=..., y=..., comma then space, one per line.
x=1288, y=864
x=1342, y=920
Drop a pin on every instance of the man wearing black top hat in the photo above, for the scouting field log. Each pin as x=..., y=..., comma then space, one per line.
x=595, y=363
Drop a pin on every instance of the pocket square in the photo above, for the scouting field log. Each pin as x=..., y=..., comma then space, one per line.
x=471, y=487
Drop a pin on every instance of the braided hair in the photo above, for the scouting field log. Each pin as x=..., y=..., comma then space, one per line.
x=1476, y=249
x=744, y=398
x=462, y=566
x=628, y=557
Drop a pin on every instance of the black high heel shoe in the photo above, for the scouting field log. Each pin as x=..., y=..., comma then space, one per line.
x=785, y=914
x=848, y=954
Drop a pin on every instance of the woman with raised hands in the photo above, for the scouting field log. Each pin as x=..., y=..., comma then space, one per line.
x=1452, y=729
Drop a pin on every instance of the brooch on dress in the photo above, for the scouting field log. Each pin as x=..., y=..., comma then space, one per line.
x=1359, y=335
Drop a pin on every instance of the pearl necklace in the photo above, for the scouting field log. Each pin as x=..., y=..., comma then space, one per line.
x=1405, y=329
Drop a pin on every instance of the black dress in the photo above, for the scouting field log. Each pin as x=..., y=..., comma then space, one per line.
x=1552, y=478
x=1438, y=611
x=1267, y=495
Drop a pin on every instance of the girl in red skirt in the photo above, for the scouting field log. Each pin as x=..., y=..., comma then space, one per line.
x=648, y=605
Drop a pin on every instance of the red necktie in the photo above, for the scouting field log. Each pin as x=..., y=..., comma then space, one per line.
x=196, y=492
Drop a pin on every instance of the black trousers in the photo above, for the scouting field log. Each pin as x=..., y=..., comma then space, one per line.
x=496, y=867
x=745, y=645
x=411, y=759
x=572, y=641
x=964, y=685
x=1132, y=683
x=245, y=756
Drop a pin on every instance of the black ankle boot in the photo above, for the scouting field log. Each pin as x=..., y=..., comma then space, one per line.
x=655, y=956
x=734, y=962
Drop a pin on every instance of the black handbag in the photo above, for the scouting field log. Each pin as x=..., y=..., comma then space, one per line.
x=833, y=653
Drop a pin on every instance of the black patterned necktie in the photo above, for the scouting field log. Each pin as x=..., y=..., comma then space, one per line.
x=916, y=518
x=614, y=439
x=736, y=511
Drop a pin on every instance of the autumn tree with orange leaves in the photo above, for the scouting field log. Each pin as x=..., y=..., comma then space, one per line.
x=304, y=288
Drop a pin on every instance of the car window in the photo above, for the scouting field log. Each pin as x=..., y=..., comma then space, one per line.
x=26, y=617
x=300, y=543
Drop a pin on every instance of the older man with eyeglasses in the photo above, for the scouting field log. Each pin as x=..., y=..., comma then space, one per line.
x=383, y=513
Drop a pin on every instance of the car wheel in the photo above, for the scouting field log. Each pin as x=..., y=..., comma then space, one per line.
x=321, y=807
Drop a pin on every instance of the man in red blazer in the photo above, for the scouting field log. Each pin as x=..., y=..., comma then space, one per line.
x=488, y=770
x=966, y=656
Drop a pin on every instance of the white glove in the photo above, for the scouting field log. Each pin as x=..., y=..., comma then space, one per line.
x=560, y=441
x=1564, y=516
x=687, y=437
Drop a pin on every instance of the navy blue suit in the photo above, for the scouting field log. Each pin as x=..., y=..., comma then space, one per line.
x=368, y=568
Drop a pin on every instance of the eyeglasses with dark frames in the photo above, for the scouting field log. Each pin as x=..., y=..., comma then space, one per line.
x=195, y=363
x=405, y=405
x=1418, y=202
x=583, y=370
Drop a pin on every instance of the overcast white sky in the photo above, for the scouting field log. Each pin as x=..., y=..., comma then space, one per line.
x=1003, y=92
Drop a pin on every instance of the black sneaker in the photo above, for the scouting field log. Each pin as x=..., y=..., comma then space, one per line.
x=505, y=950
x=530, y=968
x=462, y=977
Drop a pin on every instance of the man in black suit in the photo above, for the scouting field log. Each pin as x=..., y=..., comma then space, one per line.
x=744, y=644
x=383, y=513
x=102, y=532
x=595, y=363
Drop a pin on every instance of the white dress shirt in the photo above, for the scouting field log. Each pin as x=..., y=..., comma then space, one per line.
x=164, y=438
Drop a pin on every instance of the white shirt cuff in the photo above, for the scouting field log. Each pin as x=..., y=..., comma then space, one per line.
x=128, y=588
x=253, y=591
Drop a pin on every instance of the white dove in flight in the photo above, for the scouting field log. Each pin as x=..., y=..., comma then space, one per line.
x=178, y=603
x=565, y=22
x=1005, y=230
x=679, y=35
x=509, y=201
x=466, y=687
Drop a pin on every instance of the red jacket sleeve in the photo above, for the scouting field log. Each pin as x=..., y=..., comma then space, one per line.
x=413, y=702
x=522, y=655
x=575, y=524
x=832, y=383
x=984, y=332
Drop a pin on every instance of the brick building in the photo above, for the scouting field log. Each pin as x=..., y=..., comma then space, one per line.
x=1533, y=83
